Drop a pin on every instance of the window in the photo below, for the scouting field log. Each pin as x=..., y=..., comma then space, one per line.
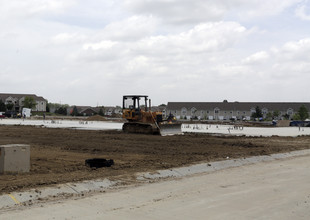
x=290, y=111
x=183, y=111
x=265, y=111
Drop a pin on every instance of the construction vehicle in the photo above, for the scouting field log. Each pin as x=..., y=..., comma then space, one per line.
x=140, y=118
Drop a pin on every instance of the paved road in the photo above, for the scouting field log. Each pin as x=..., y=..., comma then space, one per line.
x=271, y=190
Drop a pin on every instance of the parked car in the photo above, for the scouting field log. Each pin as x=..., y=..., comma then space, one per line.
x=2, y=115
x=10, y=114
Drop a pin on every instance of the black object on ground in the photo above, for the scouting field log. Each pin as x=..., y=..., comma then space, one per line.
x=99, y=162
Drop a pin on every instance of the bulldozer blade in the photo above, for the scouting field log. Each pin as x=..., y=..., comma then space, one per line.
x=170, y=129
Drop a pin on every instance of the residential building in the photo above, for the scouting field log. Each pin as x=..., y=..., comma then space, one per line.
x=231, y=110
x=89, y=111
x=18, y=101
x=112, y=111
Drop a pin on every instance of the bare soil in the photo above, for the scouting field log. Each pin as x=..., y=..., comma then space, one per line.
x=58, y=155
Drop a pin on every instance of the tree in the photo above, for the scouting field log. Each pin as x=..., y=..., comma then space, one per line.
x=101, y=112
x=276, y=114
x=258, y=113
x=9, y=106
x=303, y=113
x=29, y=102
x=74, y=111
x=269, y=116
x=2, y=106
x=47, y=107
x=62, y=110
x=296, y=117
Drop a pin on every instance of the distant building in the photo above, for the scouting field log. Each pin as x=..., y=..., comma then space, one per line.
x=231, y=110
x=83, y=110
x=89, y=111
x=18, y=101
x=112, y=111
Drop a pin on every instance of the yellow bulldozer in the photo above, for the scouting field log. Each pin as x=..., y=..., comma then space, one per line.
x=141, y=119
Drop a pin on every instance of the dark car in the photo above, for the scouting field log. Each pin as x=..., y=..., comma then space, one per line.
x=10, y=114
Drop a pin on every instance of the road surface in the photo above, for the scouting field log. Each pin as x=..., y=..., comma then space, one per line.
x=271, y=190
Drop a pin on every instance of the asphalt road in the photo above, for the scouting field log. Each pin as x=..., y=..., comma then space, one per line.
x=270, y=190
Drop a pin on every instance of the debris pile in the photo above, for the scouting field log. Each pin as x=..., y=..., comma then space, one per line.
x=99, y=162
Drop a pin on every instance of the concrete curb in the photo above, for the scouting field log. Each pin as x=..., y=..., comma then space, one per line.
x=34, y=195
x=218, y=165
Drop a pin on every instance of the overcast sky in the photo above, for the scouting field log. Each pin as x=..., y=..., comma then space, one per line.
x=93, y=52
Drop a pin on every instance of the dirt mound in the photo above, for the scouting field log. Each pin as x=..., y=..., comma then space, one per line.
x=96, y=118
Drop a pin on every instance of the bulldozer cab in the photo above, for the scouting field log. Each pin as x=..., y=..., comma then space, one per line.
x=132, y=105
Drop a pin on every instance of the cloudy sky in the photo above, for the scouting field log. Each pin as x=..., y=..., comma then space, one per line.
x=93, y=52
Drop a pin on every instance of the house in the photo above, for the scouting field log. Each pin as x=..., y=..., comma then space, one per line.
x=112, y=111
x=231, y=110
x=83, y=110
x=89, y=111
x=17, y=100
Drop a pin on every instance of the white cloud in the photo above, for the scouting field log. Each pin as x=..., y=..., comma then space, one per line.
x=83, y=52
x=12, y=9
x=291, y=64
x=255, y=8
x=303, y=11
x=203, y=38
x=101, y=45
x=256, y=58
x=295, y=51
x=68, y=38
x=188, y=12
x=130, y=29
x=179, y=11
x=288, y=64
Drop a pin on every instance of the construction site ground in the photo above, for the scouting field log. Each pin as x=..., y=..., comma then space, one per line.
x=58, y=155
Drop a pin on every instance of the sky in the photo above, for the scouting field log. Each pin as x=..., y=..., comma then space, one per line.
x=93, y=52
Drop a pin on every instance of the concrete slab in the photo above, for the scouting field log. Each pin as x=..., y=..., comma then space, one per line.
x=191, y=128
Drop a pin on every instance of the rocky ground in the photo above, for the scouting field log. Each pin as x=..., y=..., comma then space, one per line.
x=58, y=155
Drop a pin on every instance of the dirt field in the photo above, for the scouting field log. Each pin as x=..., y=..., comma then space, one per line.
x=58, y=155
